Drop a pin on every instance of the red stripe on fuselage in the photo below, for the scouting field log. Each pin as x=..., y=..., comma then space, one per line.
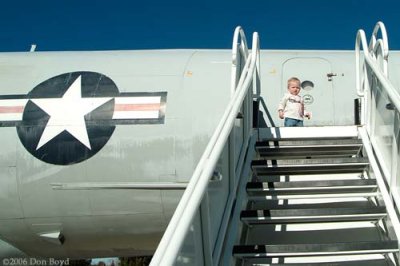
x=11, y=109
x=137, y=107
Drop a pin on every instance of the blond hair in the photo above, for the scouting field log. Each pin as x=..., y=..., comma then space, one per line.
x=293, y=79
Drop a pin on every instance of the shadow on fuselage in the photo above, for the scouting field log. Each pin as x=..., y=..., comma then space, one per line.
x=258, y=116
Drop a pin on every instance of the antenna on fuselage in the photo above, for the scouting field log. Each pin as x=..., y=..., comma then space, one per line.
x=33, y=47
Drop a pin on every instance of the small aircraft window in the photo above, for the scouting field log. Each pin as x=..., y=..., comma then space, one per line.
x=307, y=85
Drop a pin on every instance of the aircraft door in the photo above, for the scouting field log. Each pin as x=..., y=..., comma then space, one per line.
x=317, y=88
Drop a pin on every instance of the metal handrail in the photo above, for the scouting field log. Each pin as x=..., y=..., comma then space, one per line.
x=372, y=63
x=375, y=56
x=238, y=47
x=380, y=27
x=175, y=233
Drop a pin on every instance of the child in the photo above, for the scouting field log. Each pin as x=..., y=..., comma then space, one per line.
x=291, y=107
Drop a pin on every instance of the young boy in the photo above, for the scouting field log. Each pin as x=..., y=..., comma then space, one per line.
x=291, y=107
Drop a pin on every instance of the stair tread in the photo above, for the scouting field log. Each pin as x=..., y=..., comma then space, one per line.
x=308, y=142
x=308, y=162
x=274, y=204
x=306, y=177
x=307, y=152
x=308, y=138
x=312, y=215
x=309, y=166
x=314, y=195
x=311, y=187
x=361, y=262
x=316, y=249
x=312, y=211
x=301, y=148
x=314, y=184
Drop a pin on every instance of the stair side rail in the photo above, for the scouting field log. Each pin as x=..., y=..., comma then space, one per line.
x=173, y=238
x=240, y=51
x=374, y=58
x=380, y=115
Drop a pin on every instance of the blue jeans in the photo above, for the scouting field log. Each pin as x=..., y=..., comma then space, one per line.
x=291, y=122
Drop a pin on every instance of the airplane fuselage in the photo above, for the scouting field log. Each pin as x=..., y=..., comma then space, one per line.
x=97, y=147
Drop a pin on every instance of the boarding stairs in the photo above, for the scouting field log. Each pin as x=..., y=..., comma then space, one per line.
x=313, y=201
x=306, y=196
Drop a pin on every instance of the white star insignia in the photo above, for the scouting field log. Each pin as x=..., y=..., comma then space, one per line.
x=68, y=113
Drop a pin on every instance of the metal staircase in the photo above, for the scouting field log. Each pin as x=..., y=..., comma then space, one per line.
x=317, y=196
x=313, y=201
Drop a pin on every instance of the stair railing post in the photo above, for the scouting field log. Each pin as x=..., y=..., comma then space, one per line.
x=206, y=230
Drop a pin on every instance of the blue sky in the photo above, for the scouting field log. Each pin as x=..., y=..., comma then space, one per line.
x=56, y=25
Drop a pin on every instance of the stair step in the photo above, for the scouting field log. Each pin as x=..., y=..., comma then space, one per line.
x=312, y=215
x=307, y=177
x=364, y=262
x=312, y=132
x=313, y=196
x=320, y=249
x=321, y=186
x=276, y=204
x=309, y=148
x=307, y=142
x=309, y=166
